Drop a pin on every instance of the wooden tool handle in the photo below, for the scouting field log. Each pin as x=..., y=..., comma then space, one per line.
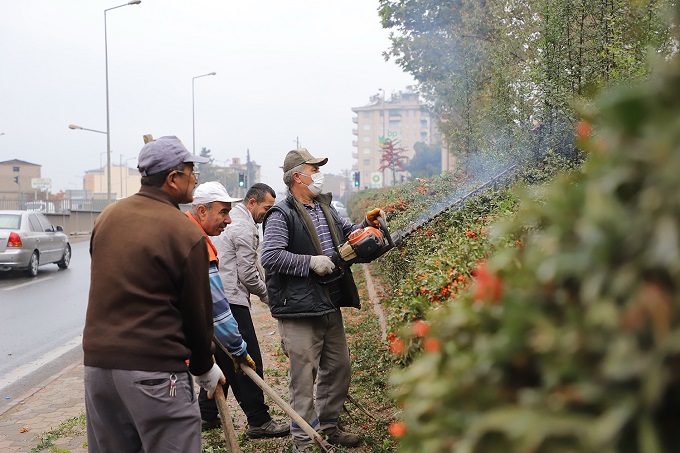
x=301, y=422
x=227, y=424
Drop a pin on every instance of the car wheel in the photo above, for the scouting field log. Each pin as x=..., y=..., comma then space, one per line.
x=66, y=259
x=33, y=265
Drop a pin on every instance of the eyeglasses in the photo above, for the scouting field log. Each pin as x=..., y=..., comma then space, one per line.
x=194, y=173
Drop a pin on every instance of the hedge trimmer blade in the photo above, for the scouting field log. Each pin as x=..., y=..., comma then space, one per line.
x=436, y=210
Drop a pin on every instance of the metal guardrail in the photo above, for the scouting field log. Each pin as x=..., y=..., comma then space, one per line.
x=54, y=206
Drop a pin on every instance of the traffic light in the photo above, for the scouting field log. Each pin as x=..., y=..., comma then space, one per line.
x=357, y=179
x=16, y=179
x=241, y=179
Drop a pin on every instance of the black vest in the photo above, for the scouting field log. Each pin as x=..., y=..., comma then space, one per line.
x=291, y=296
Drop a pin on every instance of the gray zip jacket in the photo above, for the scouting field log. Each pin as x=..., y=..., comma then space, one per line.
x=237, y=250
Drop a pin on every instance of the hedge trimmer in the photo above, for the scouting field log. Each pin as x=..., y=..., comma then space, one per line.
x=367, y=244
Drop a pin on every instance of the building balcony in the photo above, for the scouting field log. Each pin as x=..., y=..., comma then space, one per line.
x=355, y=119
x=355, y=155
x=355, y=131
x=355, y=144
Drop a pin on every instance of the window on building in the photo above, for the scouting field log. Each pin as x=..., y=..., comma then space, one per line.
x=367, y=126
x=367, y=150
x=367, y=138
x=367, y=162
x=395, y=125
x=423, y=136
x=423, y=124
x=15, y=169
x=367, y=114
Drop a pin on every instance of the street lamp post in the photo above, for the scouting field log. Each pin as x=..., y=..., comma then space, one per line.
x=127, y=173
x=193, y=114
x=74, y=126
x=108, y=128
x=100, y=169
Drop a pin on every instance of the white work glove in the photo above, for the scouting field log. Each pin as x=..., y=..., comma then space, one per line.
x=209, y=380
x=321, y=264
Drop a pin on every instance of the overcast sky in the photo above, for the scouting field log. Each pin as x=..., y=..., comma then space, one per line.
x=286, y=69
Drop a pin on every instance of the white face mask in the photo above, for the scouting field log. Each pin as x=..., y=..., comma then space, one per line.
x=317, y=183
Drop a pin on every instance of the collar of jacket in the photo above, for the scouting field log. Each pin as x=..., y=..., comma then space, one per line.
x=212, y=251
x=324, y=201
x=244, y=212
x=157, y=194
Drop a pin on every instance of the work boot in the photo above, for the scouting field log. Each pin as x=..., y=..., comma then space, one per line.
x=343, y=438
x=269, y=429
x=207, y=425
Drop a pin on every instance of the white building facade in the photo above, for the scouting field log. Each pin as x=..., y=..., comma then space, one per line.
x=404, y=120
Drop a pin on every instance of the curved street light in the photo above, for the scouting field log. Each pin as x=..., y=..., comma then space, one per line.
x=108, y=129
x=193, y=114
x=74, y=126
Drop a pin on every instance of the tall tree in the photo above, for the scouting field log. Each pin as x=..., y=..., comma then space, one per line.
x=208, y=170
x=488, y=68
x=426, y=162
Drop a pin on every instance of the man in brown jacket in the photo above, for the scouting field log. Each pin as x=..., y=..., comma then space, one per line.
x=149, y=312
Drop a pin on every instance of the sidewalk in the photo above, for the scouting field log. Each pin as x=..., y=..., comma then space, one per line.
x=43, y=409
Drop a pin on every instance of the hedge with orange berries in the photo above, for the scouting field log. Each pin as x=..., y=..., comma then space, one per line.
x=547, y=318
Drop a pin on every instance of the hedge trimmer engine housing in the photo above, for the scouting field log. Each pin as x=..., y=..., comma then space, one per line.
x=365, y=245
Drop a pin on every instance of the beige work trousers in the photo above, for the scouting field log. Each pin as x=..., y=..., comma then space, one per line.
x=317, y=349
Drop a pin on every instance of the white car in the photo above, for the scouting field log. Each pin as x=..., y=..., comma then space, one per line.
x=29, y=240
x=40, y=206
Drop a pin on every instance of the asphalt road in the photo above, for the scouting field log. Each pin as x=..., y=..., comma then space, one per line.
x=41, y=322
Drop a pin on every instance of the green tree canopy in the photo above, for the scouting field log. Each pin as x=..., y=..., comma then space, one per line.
x=426, y=162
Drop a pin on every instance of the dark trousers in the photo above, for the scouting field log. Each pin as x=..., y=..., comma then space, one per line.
x=249, y=396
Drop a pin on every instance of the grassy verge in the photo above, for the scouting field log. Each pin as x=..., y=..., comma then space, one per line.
x=73, y=427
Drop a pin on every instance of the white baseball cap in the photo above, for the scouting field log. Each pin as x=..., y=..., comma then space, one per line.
x=212, y=191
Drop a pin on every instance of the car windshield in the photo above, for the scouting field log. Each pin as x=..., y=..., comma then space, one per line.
x=10, y=221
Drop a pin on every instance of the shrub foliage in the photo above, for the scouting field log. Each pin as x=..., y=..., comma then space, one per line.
x=568, y=339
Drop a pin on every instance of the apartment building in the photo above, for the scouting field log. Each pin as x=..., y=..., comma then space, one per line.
x=16, y=178
x=402, y=118
x=125, y=181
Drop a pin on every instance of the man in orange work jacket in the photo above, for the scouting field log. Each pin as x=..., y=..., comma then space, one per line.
x=210, y=212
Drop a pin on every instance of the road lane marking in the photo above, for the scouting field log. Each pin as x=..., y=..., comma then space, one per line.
x=32, y=282
x=28, y=368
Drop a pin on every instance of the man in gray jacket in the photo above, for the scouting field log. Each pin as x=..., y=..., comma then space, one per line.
x=237, y=249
